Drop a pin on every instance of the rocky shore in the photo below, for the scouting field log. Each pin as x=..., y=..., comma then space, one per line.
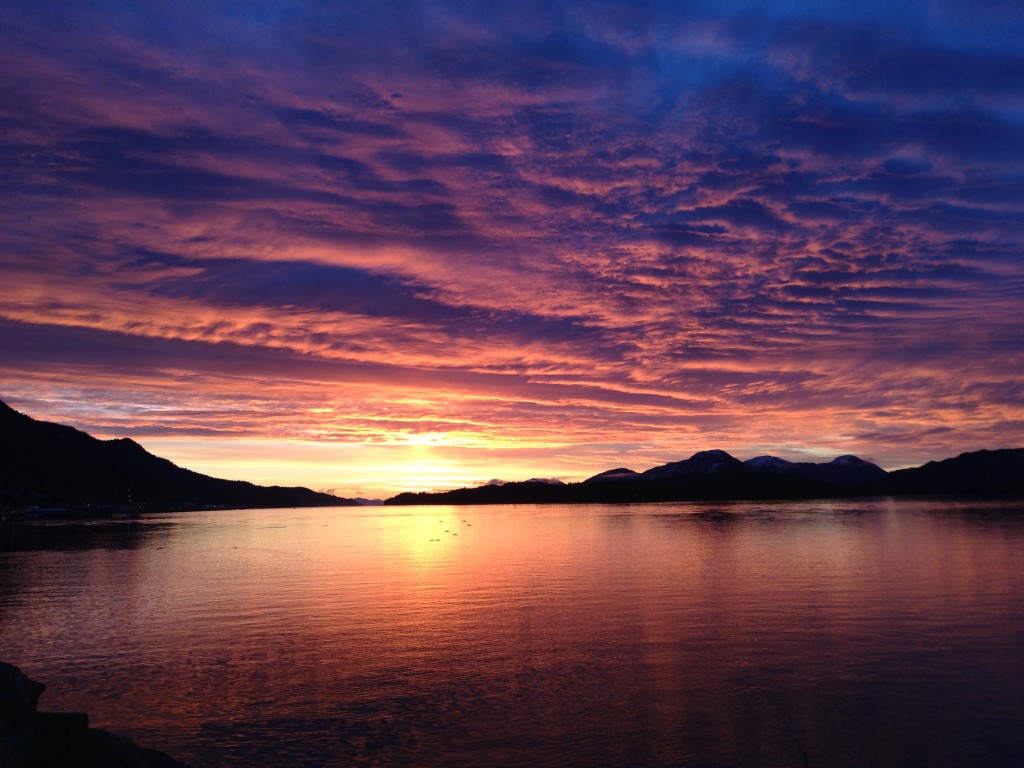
x=33, y=739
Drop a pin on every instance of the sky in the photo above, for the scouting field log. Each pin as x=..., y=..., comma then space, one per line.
x=380, y=246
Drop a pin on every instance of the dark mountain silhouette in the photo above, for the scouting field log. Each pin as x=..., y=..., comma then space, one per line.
x=619, y=473
x=969, y=474
x=701, y=463
x=45, y=464
x=705, y=475
x=717, y=476
x=843, y=470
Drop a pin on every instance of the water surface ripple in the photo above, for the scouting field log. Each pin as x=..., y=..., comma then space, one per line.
x=881, y=633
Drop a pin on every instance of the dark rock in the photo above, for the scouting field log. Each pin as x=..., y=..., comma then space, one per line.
x=32, y=739
x=17, y=688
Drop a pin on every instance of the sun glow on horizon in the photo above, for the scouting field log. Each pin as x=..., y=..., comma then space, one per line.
x=370, y=470
x=424, y=249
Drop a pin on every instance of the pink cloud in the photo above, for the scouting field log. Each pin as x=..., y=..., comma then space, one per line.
x=655, y=236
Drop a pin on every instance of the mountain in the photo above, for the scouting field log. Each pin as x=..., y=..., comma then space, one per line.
x=701, y=463
x=843, y=470
x=717, y=476
x=768, y=464
x=45, y=464
x=619, y=473
x=970, y=474
x=706, y=475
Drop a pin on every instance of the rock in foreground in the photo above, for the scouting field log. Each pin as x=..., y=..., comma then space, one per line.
x=33, y=739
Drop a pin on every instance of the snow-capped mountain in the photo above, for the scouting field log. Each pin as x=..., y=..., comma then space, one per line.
x=842, y=470
x=768, y=464
x=701, y=463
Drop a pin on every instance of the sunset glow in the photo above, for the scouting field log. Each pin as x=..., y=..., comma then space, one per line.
x=376, y=247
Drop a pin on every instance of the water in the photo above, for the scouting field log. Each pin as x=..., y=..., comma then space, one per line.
x=865, y=633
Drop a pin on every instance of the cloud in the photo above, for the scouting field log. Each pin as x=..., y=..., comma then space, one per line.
x=555, y=223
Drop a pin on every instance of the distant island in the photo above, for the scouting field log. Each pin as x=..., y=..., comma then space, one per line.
x=716, y=476
x=45, y=466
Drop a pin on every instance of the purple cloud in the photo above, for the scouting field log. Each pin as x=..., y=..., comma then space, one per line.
x=622, y=224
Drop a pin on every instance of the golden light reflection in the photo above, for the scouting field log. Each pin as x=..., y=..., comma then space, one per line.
x=422, y=536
